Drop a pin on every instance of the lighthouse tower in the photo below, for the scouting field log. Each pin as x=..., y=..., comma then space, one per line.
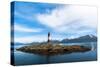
x=48, y=37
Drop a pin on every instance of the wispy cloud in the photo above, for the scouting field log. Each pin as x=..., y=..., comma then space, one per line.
x=24, y=16
x=70, y=18
x=21, y=28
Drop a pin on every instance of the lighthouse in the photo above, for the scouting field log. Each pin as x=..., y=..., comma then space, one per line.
x=48, y=37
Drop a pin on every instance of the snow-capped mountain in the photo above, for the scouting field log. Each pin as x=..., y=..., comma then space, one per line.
x=86, y=38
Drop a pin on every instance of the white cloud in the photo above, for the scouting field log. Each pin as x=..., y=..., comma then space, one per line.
x=70, y=18
x=25, y=29
x=24, y=16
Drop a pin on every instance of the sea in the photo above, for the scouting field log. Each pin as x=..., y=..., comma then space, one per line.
x=22, y=58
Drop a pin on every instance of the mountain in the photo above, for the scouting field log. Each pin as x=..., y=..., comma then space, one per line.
x=86, y=38
x=54, y=41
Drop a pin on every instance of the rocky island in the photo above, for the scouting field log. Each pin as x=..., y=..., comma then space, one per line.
x=51, y=49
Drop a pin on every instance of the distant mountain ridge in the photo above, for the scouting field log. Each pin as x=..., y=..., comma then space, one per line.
x=86, y=38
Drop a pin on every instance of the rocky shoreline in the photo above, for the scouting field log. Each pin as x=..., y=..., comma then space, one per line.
x=49, y=49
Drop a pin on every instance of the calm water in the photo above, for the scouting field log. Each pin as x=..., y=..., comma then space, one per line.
x=22, y=58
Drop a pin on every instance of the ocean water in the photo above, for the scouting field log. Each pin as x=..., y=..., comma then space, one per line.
x=22, y=58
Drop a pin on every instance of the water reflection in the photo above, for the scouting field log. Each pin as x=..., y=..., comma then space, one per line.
x=22, y=58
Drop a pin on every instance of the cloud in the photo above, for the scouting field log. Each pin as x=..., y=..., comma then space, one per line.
x=70, y=19
x=21, y=28
x=24, y=15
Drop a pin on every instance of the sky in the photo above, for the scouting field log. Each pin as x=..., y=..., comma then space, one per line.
x=33, y=21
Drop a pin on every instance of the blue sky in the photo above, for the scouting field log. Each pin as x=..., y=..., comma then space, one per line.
x=32, y=21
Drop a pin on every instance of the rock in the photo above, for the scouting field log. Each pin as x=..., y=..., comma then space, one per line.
x=49, y=49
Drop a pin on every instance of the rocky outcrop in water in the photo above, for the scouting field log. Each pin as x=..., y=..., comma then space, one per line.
x=49, y=49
